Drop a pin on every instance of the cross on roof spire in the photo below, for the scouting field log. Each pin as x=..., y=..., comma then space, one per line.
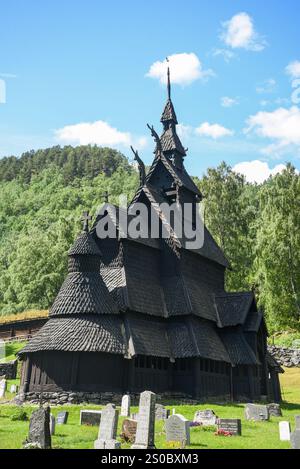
x=86, y=218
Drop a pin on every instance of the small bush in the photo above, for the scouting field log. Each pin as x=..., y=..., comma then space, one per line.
x=20, y=415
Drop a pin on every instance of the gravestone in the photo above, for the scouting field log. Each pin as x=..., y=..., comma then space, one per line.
x=295, y=439
x=258, y=413
x=108, y=429
x=13, y=389
x=205, y=417
x=39, y=429
x=62, y=418
x=284, y=431
x=297, y=421
x=52, y=425
x=2, y=387
x=173, y=411
x=129, y=427
x=274, y=410
x=90, y=417
x=178, y=429
x=161, y=413
x=146, y=422
x=233, y=426
x=125, y=406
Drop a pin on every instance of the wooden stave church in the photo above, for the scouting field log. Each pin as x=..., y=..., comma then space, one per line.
x=136, y=314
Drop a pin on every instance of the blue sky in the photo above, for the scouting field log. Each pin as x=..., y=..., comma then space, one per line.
x=80, y=71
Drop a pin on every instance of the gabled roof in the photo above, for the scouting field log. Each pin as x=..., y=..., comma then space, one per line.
x=232, y=308
x=171, y=142
x=169, y=114
x=79, y=334
x=181, y=177
x=239, y=351
x=253, y=321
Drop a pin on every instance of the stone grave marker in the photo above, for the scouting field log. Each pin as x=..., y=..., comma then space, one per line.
x=125, y=406
x=90, y=417
x=39, y=429
x=108, y=429
x=2, y=387
x=233, y=426
x=62, y=418
x=297, y=421
x=13, y=389
x=52, y=425
x=146, y=422
x=295, y=439
x=178, y=429
x=161, y=413
x=205, y=417
x=274, y=410
x=258, y=413
x=129, y=427
x=284, y=431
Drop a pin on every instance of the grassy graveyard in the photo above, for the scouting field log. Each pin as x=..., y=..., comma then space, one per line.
x=262, y=435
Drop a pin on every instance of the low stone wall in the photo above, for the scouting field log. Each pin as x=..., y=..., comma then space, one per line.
x=9, y=369
x=289, y=357
x=63, y=398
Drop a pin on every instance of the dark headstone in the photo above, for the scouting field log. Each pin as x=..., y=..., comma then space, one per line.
x=161, y=413
x=274, y=410
x=178, y=429
x=233, y=426
x=90, y=417
x=39, y=428
x=62, y=418
x=129, y=427
x=205, y=417
x=295, y=439
x=258, y=413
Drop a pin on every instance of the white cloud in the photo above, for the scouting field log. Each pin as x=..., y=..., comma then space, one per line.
x=214, y=131
x=225, y=53
x=257, y=171
x=184, y=131
x=281, y=125
x=267, y=86
x=293, y=69
x=229, y=102
x=97, y=133
x=239, y=32
x=185, y=68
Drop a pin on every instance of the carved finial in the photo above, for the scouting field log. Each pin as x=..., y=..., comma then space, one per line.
x=154, y=134
x=142, y=169
x=86, y=218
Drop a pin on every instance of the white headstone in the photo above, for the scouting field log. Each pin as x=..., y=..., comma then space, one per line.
x=178, y=429
x=2, y=387
x=13, y=389
x=284, y=431
x=205, y=417
x=173, y=411
x=146, y=422
x=125, y=406
x=108, y=429
x=52, y=425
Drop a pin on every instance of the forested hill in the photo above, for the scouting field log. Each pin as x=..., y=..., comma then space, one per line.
x=73, y=162
x=43, y=194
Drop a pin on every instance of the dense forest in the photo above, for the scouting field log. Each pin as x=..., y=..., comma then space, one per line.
x=43, y=194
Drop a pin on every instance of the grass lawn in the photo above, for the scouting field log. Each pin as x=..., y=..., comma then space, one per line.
x=11, y=349
x=263, y=435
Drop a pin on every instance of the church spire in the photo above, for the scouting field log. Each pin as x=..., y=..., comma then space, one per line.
x=169, y=116
x=169, y=84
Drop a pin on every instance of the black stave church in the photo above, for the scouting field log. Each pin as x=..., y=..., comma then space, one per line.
x=150, y=313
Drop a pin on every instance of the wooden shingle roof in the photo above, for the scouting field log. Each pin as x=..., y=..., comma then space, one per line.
x=232, y=308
